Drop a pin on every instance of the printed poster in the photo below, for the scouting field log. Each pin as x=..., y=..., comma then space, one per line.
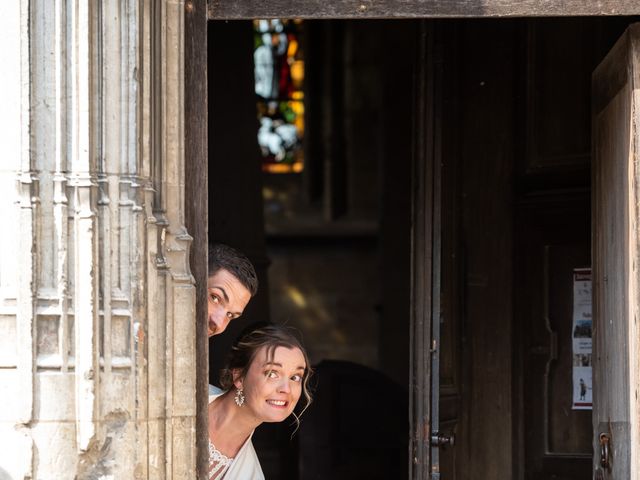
x=581, y=338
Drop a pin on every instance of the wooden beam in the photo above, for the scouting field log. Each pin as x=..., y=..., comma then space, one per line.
x=247, y=9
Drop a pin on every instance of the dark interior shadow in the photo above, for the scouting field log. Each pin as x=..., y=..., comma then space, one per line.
x=356, y=428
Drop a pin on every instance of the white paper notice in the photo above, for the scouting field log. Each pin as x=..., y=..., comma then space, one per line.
x=581, y=337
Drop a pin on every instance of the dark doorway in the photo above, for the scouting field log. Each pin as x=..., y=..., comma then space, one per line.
x=331, y=242
x=513, y=140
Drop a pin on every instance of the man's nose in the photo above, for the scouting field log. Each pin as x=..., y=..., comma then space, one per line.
x=220, y=318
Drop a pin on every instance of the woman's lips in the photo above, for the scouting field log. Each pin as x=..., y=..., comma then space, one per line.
x=278, y=403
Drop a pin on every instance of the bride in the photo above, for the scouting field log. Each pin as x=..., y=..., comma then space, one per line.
x=266, y=374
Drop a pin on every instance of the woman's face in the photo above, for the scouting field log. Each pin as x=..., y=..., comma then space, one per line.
x=273, y=386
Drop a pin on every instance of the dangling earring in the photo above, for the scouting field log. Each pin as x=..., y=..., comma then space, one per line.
x=239, y=397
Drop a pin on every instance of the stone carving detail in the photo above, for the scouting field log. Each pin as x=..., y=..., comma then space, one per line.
x=88, y=356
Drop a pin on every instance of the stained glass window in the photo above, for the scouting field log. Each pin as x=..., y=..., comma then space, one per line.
x=279, y=78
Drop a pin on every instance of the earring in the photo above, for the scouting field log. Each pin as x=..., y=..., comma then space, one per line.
x=239, y=397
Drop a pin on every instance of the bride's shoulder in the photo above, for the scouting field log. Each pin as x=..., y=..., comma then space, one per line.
x=214, y=392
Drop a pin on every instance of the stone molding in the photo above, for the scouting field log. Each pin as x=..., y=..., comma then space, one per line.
x=97, y=305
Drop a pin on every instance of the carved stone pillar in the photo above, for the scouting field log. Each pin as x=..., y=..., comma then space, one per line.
x=97, y=301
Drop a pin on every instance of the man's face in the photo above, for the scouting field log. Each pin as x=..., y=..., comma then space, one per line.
x=227, y=300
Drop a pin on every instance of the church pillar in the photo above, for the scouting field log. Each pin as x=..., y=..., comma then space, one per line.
x=97, y=300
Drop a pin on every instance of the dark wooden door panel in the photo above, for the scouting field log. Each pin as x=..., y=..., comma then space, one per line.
x=553, y=239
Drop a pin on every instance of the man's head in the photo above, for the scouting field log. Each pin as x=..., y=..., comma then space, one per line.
x=231, y=283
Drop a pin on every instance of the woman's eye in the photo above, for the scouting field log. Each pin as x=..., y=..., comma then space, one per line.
x=214, y=298
x=297, y=378
x=272, y=374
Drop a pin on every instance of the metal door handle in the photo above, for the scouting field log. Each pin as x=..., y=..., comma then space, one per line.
x=442, y=440
x=605, y=460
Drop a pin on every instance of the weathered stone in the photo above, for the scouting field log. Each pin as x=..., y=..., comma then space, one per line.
x=94, y=279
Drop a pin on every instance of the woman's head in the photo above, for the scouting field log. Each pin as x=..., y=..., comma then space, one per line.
x=271, y=366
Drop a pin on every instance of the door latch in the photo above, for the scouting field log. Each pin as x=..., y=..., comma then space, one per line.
x=605, y=451
x=442, y=440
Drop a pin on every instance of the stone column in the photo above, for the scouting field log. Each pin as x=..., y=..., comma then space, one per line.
x=18, y=205
x=97, y=302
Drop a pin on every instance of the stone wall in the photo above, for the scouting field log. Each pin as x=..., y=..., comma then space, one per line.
x=94, y=275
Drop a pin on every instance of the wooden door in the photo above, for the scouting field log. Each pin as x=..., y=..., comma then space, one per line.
x=552, y=240
x=425, y=261
x=615, y=217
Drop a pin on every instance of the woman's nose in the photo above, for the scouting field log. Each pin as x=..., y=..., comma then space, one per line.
x=284, y=386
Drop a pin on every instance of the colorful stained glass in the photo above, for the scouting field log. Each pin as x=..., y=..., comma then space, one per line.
x=279, y=80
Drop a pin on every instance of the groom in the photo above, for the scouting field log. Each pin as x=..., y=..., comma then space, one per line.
x=231, y=283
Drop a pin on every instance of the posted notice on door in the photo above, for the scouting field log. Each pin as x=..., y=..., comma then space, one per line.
x=581, y=338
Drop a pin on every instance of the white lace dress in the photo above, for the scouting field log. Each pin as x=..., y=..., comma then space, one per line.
x=218, y=463
x=244, y=466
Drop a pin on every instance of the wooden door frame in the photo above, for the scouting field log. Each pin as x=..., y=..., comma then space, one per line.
x=417, y=9
x=425, y=254
x=196, y=203
x=425, y=232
